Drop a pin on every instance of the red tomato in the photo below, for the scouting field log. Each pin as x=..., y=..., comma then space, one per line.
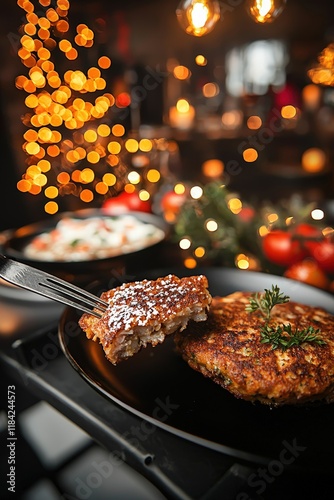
x=125, y=202
x=323, y=253
x=307, y=230
x=308, y=271
x=281, y=248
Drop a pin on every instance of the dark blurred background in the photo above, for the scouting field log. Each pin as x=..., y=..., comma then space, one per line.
x=143, y=37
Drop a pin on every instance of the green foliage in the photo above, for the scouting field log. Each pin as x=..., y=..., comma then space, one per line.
x=232, y=236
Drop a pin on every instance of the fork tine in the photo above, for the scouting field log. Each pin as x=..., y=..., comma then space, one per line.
x=50, y=286
x=75, y=292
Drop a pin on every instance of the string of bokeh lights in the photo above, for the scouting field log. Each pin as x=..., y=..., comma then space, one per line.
x=71, y=146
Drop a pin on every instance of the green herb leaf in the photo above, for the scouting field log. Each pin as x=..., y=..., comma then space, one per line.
x=264, y=302
x=284, y=337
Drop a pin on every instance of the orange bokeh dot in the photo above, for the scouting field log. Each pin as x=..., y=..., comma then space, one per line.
x=93, y=157
x=86, y=195
x=79, y=40
x=29, y=86
x=30, y=29
x=118, y=130
x=94, y=72
x=23, y=185
x=100, y=83
x=63, y=4
x=20, y=81
x=87, y=175
x=44, y=54
x=47, y=66
x=51, y=192
x=72, y=54
x=104, y=62
x=250, y=155
x=44, y=23
x=62, y=26
x=31, y=101
x=43, y=34
x=63, y=178
x=52, y=15
x=32, y=18
x=76, y=175
x=65, y=45
x=32, y=148
x=30, y=135
x=24, y=54
x=53, y=151
x=44, y=165
x=35, y=189
x=56, y=120
x=101, y=188
x=51, y=207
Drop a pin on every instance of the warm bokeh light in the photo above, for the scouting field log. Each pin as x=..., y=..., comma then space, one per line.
x=235, y=205
x=181, y=72
x=311, y=95
x=198, y=17
x=254, y=122
x=153, y=175
x=210, y=90
x=199, y=252
x=232, y=120
x=201, y=60
x=288, y=111
x=67, y=120
x=314, y=160
x=182, y=115
x=250, y=155
x=323, y=73
x=179, y=188
x=213, y=168
x=242, y=261
x=51, y=207
x=265, y=11
x=273, y=217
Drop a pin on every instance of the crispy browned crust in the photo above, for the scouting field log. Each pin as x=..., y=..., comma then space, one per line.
x=144, y=312
x=228, y=349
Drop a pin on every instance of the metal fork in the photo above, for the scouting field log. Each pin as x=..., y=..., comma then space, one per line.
x=50, y=286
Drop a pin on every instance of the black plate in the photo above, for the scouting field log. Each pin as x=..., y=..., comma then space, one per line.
x=159, y=387
x=13, y=243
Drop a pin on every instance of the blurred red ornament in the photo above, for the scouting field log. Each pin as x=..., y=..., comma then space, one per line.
x=246, y=214
x=172, y=202
x=323, y=253
x=126, y=202
x=309, y=272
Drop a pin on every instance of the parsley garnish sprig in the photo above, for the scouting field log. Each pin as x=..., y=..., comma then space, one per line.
x=280, y=336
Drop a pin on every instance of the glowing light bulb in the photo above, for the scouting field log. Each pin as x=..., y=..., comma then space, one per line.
x=265, y=11
x=198, y=17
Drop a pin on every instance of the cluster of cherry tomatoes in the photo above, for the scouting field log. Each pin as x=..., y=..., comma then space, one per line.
x=304, y=254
